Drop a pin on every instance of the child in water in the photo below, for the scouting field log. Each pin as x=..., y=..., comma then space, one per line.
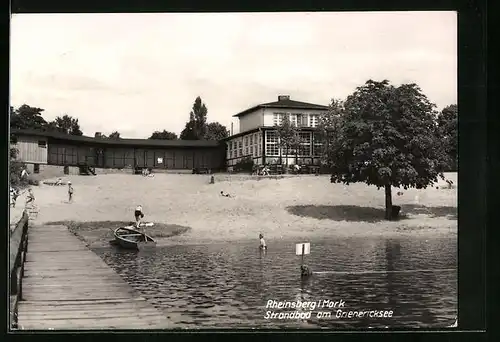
x=262, y=242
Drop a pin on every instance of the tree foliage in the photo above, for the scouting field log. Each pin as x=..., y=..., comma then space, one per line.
x=196, y=127
x=27, y=117
x=114, y=135
x=387, y=136
x=164, y=135
x=328, y=128
x=216, y=131
x=65, y=124
x=447, y=121
x=288, y=137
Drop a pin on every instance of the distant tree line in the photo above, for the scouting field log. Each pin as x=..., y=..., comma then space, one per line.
x=197, y=128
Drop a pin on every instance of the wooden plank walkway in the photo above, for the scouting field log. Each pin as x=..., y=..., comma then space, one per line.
x=67, y=286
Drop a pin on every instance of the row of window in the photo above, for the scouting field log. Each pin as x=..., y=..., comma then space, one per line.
x=249, y=140
x=254, y=151
x=299, y=120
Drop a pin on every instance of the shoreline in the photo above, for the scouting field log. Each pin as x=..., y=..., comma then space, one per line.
x=305, y=208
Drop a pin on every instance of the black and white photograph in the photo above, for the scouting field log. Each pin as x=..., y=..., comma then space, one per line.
x=264, y=170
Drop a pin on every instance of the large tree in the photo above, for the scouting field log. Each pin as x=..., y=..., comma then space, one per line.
x=164, y=135
x=327, y=130
x=196, y=127
x=27, y=117
x=288, y=137
x=388, y=137
x=216, y=131
x=66, y=124
x=448, y=128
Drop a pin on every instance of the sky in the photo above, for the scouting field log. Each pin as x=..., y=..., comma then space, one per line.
x=138, y=73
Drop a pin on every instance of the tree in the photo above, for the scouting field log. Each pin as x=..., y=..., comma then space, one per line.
x=27, y=117
x=196, y=127
x=216, y=131
x=66, y=124
x=164, y=135
x=288, y=137
x=447, y=121
x=189, y=131
x=388, y=137
x=328, y=128
x=114, y=135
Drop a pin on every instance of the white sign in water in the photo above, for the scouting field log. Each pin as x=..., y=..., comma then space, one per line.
x=160, y=160
x=306, y=247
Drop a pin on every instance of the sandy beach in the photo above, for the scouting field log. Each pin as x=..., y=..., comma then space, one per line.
x=291, y=207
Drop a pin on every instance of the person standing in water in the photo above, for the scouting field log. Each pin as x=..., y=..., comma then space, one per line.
x=263, y=245
x=70, y=192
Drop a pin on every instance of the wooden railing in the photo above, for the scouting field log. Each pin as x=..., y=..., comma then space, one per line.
x=18, y=246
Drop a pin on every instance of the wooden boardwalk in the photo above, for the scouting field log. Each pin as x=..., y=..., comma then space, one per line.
x=67, y=286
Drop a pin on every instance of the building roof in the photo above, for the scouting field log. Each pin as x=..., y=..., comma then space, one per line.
x=123, y=142
x=284, y=102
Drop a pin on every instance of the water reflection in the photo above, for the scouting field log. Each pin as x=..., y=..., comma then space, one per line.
x=229, y=285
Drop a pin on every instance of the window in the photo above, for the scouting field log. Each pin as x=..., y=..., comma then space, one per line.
x=36, y=168
x=313, y=120
x=293, y=119
x=305, y=144
x=246, y=141
x=240, y=152
x=260, y=150
x=240, y=144
x=272, y=147
x=246, y=151
x=252, y=151
x=317, y=146
x=278, y=118
x=42, y=143
x=302, y=120
x=251, y=139
x=271, y=137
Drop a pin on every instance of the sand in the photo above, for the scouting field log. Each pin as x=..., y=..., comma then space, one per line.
x=299, y=207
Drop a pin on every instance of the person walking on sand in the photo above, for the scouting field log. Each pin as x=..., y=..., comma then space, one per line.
x=262, y=245
x=30, y=198
x=70, y=192
x=139, y=214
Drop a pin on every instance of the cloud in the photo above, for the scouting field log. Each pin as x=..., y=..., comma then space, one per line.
x=142, y=72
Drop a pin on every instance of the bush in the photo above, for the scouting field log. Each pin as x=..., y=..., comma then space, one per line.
x=16, y=167
x=244, y=165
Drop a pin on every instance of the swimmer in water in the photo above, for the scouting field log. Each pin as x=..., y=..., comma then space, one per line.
x=262, y=245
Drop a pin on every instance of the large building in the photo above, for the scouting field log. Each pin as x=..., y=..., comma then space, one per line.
x=258, y=138
x=40, y=148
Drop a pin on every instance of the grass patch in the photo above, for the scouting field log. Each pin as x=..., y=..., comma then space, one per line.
x=101, y=231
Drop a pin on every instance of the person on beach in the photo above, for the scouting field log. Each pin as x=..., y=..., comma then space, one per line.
x=31, y=197
x=59, y=181
x=139, y=214
x=24, y=173
x=262, y=245
x=225, y=195
x=70, y=192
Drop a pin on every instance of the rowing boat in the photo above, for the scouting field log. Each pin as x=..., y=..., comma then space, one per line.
x=129, y=238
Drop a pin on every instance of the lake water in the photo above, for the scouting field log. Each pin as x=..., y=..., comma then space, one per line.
x=228, y=285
